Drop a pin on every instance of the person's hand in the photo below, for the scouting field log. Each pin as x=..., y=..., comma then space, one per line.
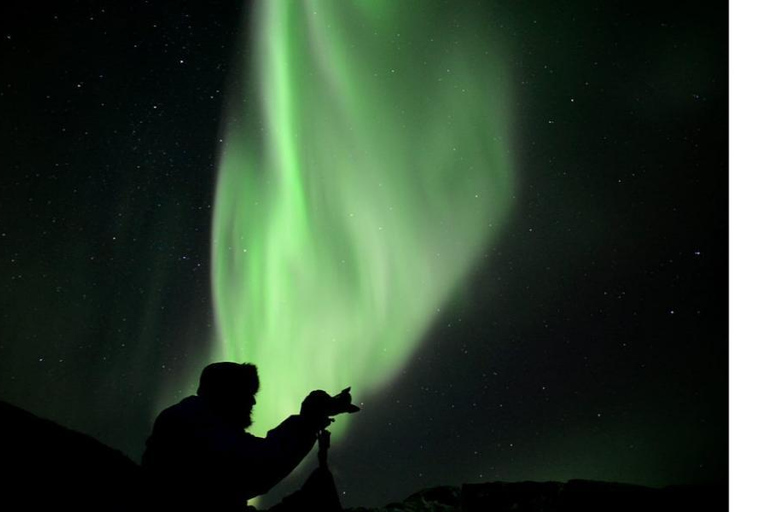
x=314, y=409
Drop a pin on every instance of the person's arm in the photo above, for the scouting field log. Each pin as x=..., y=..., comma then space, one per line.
x=266, y=461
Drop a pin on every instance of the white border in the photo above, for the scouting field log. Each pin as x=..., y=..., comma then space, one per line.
x=748, y=255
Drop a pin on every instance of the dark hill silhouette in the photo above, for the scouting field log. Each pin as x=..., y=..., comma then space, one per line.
x=49, y=467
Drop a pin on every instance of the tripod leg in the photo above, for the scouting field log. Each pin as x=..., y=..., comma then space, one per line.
x=324, y=442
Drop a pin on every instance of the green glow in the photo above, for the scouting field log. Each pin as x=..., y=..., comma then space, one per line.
x=364, y=168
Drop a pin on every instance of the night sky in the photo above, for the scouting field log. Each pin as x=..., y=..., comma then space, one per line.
x=589, y=339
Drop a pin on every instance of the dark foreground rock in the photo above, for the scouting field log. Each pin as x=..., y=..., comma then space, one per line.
x=48, y=467
x=571, y=496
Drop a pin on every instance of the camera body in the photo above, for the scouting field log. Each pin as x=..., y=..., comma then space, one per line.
x=320, y=403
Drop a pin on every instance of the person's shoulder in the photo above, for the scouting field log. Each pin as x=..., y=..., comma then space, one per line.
x=186, y=408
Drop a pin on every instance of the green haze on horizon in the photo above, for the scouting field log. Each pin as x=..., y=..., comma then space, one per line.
x=364, y=167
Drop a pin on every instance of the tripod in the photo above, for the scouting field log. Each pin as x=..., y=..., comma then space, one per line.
x=324, y=443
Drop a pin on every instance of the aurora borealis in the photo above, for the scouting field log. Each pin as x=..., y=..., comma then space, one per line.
x=504, y=224
x=359, y=181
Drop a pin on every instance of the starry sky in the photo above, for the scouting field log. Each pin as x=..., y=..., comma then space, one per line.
x=587, y=339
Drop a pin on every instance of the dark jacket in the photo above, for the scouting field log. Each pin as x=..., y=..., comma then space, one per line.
x=195, y=461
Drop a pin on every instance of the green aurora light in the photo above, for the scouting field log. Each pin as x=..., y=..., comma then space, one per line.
x=365, y=165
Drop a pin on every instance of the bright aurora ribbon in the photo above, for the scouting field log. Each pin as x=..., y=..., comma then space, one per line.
x=365, y=166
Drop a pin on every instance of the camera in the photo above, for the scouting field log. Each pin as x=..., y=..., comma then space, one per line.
x=322, y=404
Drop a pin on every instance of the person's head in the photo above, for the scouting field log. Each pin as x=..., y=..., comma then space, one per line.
x=230, y=389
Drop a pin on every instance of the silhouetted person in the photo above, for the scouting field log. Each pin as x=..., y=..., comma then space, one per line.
x=200, y=457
